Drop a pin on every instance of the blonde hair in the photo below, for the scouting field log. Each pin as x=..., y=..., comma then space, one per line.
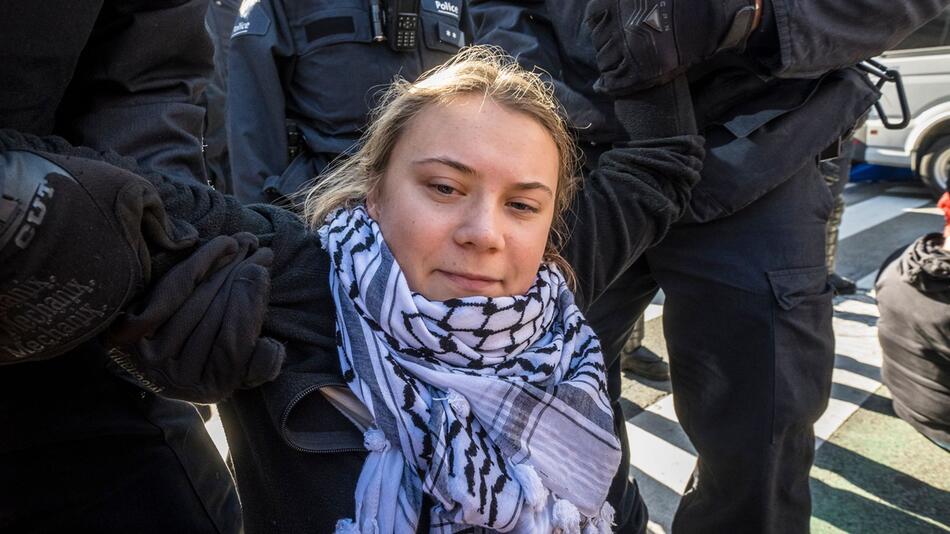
x=474, y=70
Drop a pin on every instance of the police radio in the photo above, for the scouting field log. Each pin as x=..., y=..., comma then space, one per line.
x=401, y=24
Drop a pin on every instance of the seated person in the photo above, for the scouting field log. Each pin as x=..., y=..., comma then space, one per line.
x=913, y=295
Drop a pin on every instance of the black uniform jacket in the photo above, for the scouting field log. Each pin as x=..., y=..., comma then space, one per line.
x=315, y=63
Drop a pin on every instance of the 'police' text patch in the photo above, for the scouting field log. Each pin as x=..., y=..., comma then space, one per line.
x=452, y=8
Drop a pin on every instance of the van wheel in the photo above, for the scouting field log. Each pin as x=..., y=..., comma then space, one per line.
x=934, y=167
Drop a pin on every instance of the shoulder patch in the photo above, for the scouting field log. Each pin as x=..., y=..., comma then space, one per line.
x=251, y=20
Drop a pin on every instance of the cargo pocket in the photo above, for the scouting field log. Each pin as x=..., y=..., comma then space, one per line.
x=803, y=348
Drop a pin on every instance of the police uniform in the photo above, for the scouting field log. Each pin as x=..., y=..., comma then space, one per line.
x=314, y=68
x=82, y=450
x=748, y=310
x=218, y=21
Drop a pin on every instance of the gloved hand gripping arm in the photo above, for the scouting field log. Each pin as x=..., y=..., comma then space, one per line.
x=78, y=239
x=195, y=334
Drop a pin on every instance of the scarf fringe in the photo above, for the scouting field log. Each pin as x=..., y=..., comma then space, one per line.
x=346, y=526
x=535, y=494
x=496, y=360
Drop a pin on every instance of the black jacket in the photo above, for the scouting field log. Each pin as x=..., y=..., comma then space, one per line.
x=913, y=296
x=111, y=75
x=125, y=76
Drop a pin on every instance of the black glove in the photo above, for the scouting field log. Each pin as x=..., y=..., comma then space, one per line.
x=643, y=43
x=196, y=335
x=76, y=240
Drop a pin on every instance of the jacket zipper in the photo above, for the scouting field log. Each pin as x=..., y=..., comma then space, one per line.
x=293, y=402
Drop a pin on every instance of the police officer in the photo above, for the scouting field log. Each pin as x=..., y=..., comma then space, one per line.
x=304, y=75
x=747, y=312
x=81, y=448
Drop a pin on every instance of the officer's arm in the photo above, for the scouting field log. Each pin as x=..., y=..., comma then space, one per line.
x=145, y=68
x=143, y=237
x=810, y=37
x=639, y=188
x=257, y=135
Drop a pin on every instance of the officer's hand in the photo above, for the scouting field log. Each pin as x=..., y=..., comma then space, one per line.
x=75, y=242
x=644, y=43
x=196, y=335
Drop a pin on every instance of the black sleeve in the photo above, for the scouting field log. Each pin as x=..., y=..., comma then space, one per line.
x=256, y=120
x=627, y=205
x=638, y=189
x=817, y=36
x=300, y=293
x=137, y=85
x=521, y=28
x=525, y=31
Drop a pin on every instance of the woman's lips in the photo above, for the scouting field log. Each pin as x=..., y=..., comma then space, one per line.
x=470, y=282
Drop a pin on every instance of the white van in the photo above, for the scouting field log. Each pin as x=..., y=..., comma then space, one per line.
x=923, y=60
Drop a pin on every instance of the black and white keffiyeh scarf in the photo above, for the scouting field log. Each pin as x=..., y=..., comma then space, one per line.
x=497, y=407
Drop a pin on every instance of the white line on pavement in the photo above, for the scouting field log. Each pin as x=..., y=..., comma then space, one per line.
x=874, y=211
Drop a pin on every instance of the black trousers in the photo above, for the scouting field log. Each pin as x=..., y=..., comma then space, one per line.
x=83, y=451
x=747, y=319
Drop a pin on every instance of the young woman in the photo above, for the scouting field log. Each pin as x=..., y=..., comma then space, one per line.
x=457, y=331
x=459, y=348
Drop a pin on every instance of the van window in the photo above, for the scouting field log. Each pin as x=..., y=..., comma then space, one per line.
x=934, y=33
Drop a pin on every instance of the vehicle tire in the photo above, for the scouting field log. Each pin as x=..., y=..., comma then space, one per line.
x=934, y=166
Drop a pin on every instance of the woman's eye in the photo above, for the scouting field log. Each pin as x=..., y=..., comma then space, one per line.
x=521, y=206
x=443, y=189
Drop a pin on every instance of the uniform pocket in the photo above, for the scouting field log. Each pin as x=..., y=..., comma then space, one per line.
x=442, y=34
x=803, y=345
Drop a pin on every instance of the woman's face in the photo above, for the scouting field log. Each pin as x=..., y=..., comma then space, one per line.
x=467, y=199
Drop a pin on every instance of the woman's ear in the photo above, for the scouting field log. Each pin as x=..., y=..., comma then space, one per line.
x=372, y=203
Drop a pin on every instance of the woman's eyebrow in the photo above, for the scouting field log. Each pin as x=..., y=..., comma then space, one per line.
x=533, y=185
x=455, y=164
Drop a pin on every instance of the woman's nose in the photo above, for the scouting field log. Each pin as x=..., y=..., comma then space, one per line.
x=481, y=228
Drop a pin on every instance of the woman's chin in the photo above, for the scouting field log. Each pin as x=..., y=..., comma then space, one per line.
x=444, y=286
